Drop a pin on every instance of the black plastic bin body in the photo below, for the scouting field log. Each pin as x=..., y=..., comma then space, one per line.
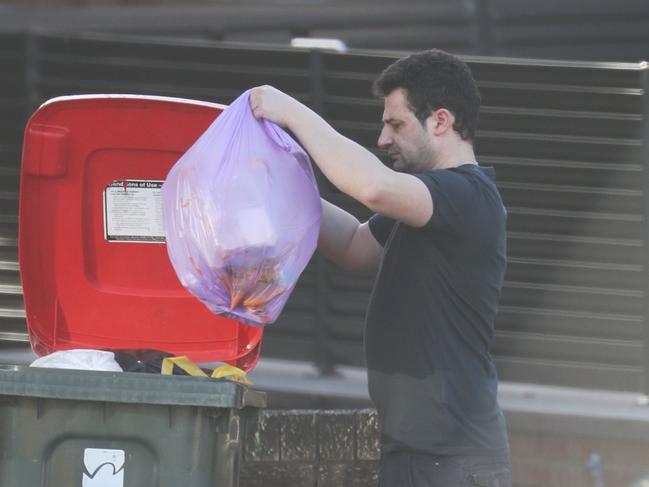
x=68, y=428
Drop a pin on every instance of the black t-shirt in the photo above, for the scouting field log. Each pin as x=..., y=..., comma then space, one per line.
x=430, y=320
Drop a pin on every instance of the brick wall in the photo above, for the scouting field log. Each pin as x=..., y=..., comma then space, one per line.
x=307, y=448
x=310, y=448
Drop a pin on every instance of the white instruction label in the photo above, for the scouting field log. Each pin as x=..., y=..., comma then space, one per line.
x=133, y=211
x=104, y=468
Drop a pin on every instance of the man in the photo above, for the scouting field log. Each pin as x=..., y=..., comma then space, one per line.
x=438, y=241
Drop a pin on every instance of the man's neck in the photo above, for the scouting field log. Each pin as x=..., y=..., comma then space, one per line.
x=460, y=155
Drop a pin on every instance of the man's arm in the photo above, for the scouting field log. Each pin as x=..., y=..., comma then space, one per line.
x=347, y=242
x=349, y=166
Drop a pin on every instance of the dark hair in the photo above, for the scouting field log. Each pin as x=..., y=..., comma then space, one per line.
x=435, y=79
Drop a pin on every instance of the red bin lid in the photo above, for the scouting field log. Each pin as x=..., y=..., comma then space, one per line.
x=93, y=262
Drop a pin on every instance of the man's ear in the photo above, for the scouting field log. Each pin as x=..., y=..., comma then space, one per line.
x=440, y=121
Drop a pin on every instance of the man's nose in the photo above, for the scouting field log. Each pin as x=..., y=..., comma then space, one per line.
x=385, y=140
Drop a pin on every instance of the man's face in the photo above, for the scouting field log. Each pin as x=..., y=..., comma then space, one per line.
x=407, y=141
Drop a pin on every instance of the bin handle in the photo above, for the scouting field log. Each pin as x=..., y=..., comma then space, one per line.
x=220, y=372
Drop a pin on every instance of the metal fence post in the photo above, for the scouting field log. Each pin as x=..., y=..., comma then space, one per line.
x=321, y=341
x=483, y=17
x=645, y=168
x=31, y=73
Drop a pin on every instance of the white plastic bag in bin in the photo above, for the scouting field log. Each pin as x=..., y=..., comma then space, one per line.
x=81, y=359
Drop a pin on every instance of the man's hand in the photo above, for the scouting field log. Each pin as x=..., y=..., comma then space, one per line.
x=271, y=104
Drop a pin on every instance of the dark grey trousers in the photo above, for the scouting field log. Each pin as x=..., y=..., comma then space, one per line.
x=405, y=469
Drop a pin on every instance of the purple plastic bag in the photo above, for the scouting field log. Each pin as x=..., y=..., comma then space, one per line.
x=241, y=213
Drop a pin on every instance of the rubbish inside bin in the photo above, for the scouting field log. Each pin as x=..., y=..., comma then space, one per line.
x=157, y=362
x=145, y=361
x=241, y=213
x=79, y=359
